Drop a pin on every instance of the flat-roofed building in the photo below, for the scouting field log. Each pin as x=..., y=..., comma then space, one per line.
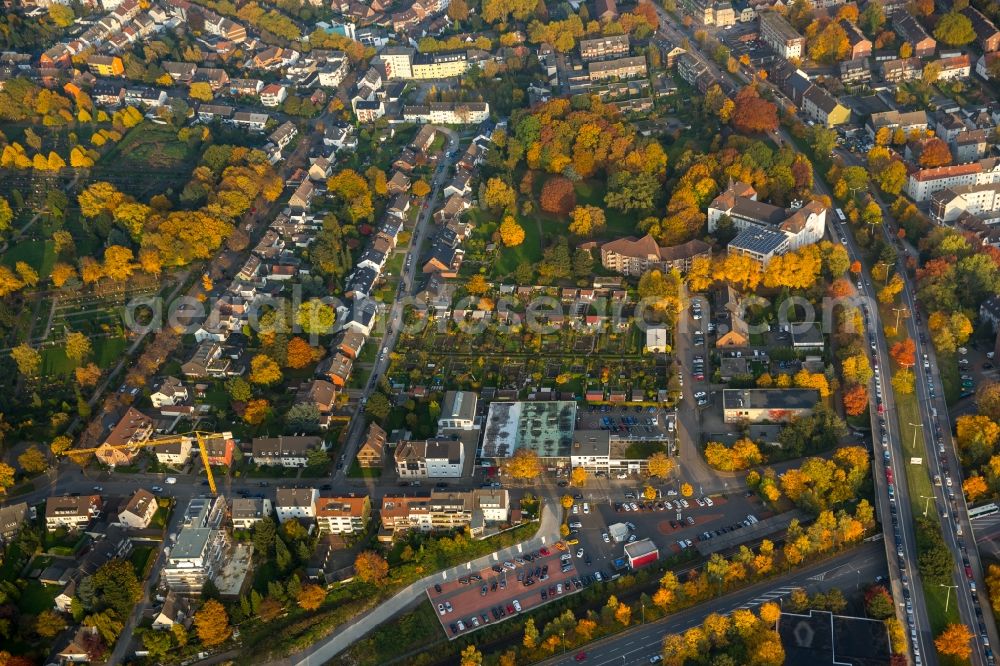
x=757, y=405
x=779, y=34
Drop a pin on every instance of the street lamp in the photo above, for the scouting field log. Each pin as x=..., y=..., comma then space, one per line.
x=897, y=311
x=927, y=503
x=885, y=280
x=948, y=596
x=915, y=426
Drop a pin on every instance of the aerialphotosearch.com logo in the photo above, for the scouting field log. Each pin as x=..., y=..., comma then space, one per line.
x=313, y=317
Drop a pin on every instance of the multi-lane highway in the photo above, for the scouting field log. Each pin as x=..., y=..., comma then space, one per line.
x=892, y=490
x=635, y=646
x=941, y=459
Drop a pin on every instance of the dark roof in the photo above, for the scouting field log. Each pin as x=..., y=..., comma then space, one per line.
x=783, y=398
x=823, y=638
x=758, y=240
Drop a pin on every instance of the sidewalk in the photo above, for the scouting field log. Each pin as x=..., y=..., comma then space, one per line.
x=345, y=636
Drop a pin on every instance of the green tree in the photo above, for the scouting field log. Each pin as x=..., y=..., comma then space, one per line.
x=954, y=29
x=378, y=406
x=316, y=317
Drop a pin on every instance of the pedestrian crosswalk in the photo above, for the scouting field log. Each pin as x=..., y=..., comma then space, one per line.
x=773, y=595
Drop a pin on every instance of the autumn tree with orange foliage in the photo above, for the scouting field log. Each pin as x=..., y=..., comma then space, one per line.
x=752, y=113
x=974, y=487
x=370, y=567
x=954, y=641
x=256, y=411
x=935, y=153
x=855, y=400
x=904, y=353
x=310, y=597
x=558, y=196
x=300, y=353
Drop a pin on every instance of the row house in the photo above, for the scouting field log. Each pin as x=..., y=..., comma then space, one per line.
x=987, y=35
x=910, y=30
x=284, y=451
x=443, y=511
x=922, y=183
x=955, y=67
x=122, y=443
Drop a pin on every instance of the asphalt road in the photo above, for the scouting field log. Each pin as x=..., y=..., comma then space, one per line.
x=845, y=571
x=941, y=458
x=920, y=637
x=394, y=321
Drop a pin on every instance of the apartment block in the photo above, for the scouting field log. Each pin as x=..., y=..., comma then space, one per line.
x=343, y=515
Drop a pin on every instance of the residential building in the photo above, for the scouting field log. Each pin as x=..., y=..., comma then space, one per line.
x=121, y=445
x=343, y=515
x=899, y=70
x=458, y=410
x=758, y=405
x=248, y=511
x=295, y=503
x=955, y=67
x=910, y=30
x=283, y=136
x=337, y=369
x=861, y=46
x=605, y=10
x=802, y=226
x=983, y=201
x=12, y=518
x=823, y=108
x=600, y=48
x=989, y=312
x=171, y=391
x=103, y=65
x=912, y=121
x=176, y=453
x=970, y=145
x=448, y=113
x=620, y=68
x=138, y=512
x=283, y=450
x=855, y=71
x=633, y=257
x=71, y=512
x=207, y=361
x=925, y=182
x=255, y=122
x=778, y=34
x=371, y=453
x=430, y=459
x=350, y=343
x=273, y=94
x=656, y=339
x=987, y=35
x=220, y=449
x=202, y=547
x=176, y=609
x=443, y=511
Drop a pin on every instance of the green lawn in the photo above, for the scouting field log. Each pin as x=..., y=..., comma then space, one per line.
x=529, y=251
x=140, y=559
x=591, y=192
x=107, y=351
x=37, y=597
x=160, y=518
x=40, y=255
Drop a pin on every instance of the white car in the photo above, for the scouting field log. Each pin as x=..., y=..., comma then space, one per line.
x=700, y=501
x=671, y=493
x=517, y=605
x=170, y=480
x=579, y=552
x=586, y=508
x=606, y=538
x=700, y=394
x=441, y=609
x=709, y=502
x=684, y=503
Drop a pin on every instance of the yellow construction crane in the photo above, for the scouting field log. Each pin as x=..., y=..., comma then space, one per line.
x=197, y=435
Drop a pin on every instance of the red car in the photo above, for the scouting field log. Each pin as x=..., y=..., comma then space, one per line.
x=544, y=551
x=580, y=656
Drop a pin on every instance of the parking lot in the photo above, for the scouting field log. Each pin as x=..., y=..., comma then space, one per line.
x=632, y=423
x=482, y=597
